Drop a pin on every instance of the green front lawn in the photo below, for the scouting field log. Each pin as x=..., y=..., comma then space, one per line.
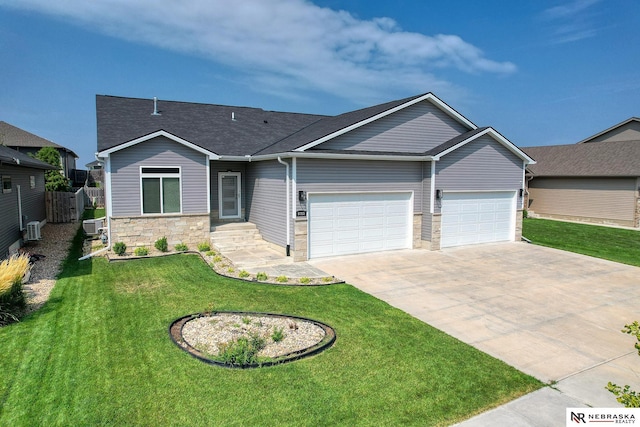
x=99, y=353
x=614, y=244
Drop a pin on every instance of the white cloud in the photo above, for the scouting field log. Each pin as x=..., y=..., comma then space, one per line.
x=573, y=20
x=284, y=43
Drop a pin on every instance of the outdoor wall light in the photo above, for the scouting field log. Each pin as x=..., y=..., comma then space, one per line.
x=438, y=194
x=302, y=196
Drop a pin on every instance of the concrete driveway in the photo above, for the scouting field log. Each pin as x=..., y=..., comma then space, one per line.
x=552, y=314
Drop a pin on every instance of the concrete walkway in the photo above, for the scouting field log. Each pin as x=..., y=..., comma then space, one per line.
x=552, y=314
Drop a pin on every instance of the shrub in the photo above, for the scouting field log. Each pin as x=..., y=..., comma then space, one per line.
x=629, y=398
x=141, y=251
x=243, y=351
x=181, y=247
x=277, y=335
x=262, y=276
x=12, y=298
x=161, y=244
x=244, y=273
x=119, y=248
x=305, y=280
x=525, y=214
x=282, y=279
x=210, y=253
x=204, y=247
x=217, y=258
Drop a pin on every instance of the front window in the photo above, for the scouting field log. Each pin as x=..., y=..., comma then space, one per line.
x=160, y=190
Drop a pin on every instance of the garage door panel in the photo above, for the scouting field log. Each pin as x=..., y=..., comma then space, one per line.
x=469, y=218
x=359, y=223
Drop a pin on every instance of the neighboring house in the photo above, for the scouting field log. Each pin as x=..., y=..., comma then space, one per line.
x=28, y=143
x=408, y=173
x=22, y=198
x=596, y=180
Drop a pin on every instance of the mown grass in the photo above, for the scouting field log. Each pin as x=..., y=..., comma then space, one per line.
x=614, y=244
x=99, y=353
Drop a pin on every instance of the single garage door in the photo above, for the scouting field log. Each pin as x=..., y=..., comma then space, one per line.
x=470, y=218
x=353, y=223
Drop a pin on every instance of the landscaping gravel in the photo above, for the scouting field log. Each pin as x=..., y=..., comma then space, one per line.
x=207, y=333
x=54, y=245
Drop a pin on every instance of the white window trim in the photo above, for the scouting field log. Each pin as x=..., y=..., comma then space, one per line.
x=238, y=194
x=160, y=175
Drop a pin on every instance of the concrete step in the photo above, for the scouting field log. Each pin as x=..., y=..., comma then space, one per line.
x=238, y=237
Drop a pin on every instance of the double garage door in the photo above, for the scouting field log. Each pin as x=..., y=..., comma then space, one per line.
x=470, y=218
x=352, y=223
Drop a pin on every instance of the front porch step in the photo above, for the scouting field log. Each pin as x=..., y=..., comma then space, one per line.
x=243, y=240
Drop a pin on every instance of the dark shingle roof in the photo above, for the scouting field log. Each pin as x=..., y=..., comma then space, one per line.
x=16, y=158
x=600, y=160
x=328, y=125
x=209, y=126
x=12, y=136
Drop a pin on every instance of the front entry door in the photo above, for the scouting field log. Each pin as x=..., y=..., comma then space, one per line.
x=229, y=202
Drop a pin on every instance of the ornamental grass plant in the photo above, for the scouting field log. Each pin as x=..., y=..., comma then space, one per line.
x=12, y=298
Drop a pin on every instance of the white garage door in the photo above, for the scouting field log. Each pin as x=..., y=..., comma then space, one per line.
x=347, y=223
x=469, y=218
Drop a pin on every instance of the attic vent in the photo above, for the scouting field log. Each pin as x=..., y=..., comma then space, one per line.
x=233, y=116
x=155, y=107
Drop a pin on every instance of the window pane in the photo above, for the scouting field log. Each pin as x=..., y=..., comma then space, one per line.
x=150, y=195
x=170, y=195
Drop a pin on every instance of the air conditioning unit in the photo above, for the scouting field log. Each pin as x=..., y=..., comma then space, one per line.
x=92, y=226
x=33, y=230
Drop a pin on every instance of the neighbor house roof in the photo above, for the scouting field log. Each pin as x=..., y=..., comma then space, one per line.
x=16, y=158
x=13, y=136
x=615, y=158
x=612, y=128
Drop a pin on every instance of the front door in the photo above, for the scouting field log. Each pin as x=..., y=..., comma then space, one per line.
x=229, y=202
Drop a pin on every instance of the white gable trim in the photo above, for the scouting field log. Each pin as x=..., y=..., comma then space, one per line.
x=429, y=96
x=501, y=139
x=211, y=155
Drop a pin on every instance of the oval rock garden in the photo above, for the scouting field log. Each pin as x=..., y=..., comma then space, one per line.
x=250, y=340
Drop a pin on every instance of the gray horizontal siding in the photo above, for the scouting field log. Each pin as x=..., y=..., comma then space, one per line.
x=161, y=151
x=33, y=203
x=216, y=168
x=414, y=129
x=266, y=200
x=481, y=165
x=319, y=175
x=590, y=198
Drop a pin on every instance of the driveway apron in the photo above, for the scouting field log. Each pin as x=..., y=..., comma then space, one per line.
x=552, y=314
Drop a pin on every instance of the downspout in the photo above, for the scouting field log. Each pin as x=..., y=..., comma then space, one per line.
x=288, y=207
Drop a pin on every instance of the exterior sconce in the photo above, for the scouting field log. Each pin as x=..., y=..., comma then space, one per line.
x=438, y=194
x=302, y=196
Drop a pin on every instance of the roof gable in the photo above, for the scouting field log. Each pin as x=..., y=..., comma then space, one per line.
x=472, y=135
x=332, y=127
x=211, y=155
x=628, y=130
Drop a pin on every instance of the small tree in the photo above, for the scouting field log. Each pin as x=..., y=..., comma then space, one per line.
x=629, y=398
x=54, y=179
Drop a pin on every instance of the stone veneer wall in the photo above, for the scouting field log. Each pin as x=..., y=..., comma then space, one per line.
x=145, y=230
x=300, y=252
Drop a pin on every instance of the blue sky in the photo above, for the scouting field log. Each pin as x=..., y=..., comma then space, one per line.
x=540, y=72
